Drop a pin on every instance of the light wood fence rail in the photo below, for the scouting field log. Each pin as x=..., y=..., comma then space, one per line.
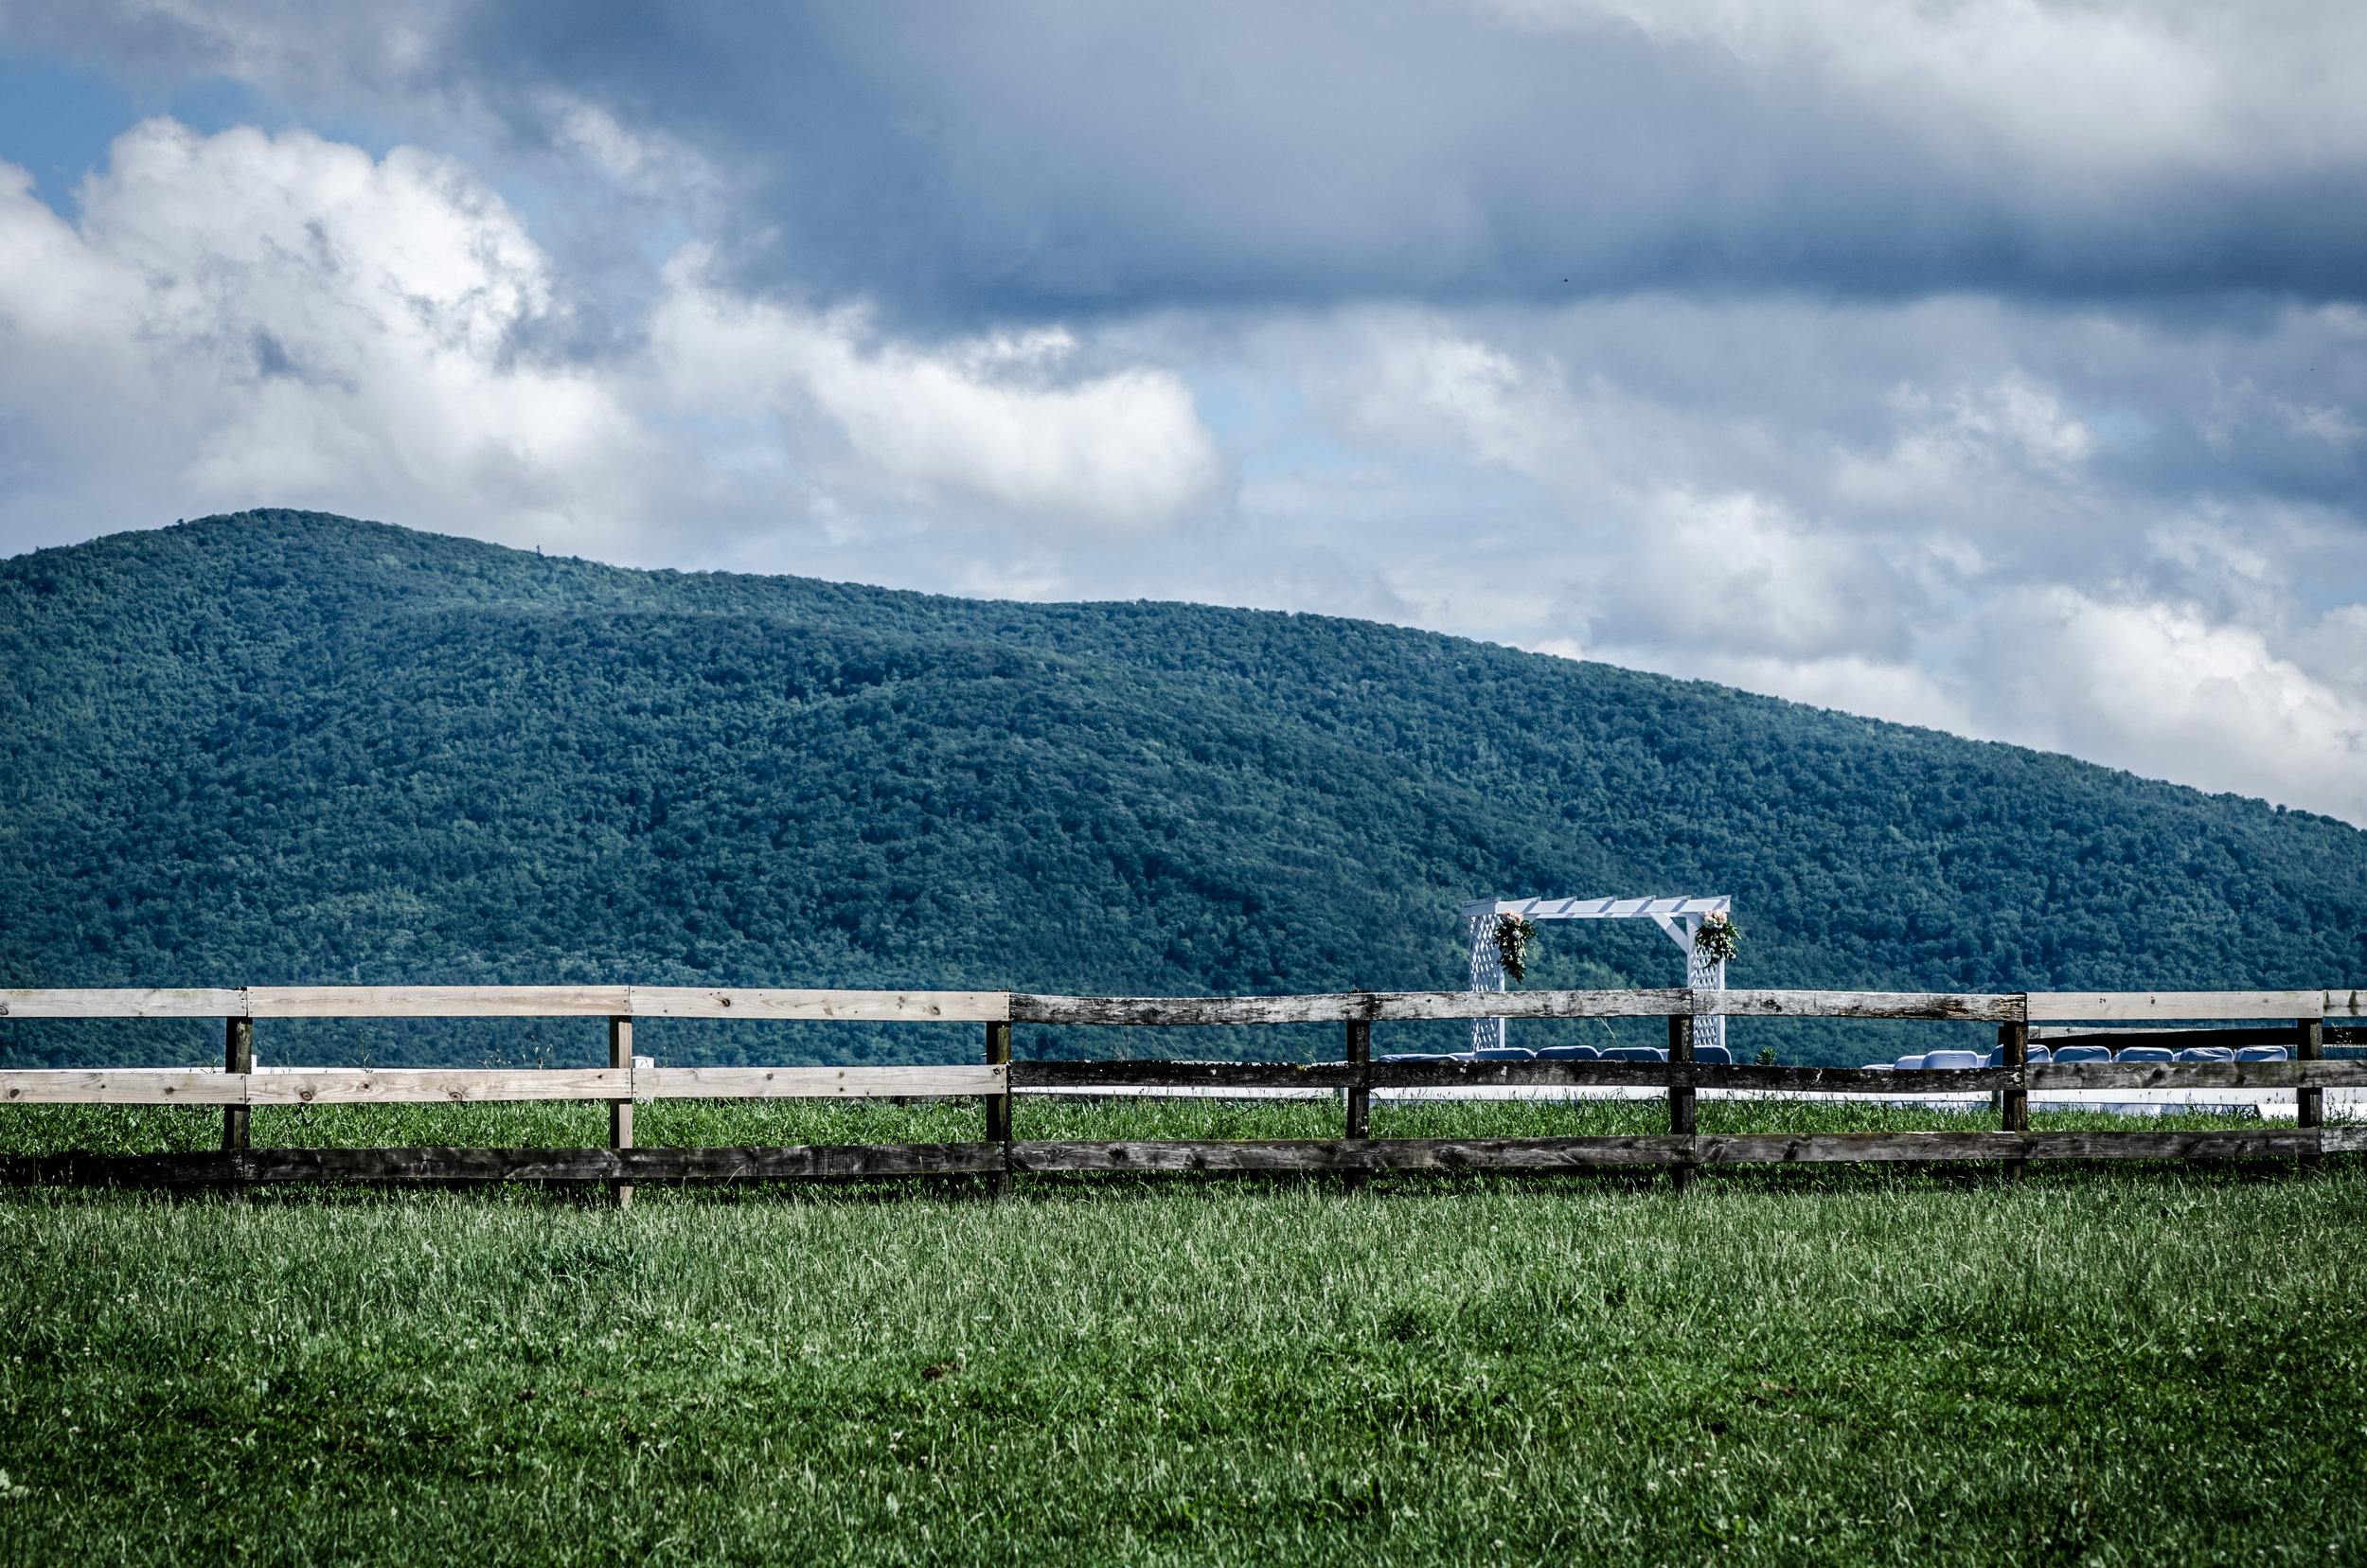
x=238, y=1087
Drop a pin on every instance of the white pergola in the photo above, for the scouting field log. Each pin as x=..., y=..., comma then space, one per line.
x=1680, y=918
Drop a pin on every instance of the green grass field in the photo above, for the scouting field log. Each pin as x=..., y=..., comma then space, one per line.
x=2129, y=1364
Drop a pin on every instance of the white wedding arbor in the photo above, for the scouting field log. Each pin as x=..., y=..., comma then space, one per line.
x=1681, y=919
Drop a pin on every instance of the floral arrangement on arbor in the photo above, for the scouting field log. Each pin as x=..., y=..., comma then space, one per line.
x=1513, y=937
x=1718, y=939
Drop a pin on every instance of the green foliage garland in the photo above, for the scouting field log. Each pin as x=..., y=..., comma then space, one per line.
x=1513, y=937
x=1718, y=939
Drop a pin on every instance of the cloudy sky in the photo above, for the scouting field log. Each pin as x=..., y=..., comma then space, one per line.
x=1993, y=364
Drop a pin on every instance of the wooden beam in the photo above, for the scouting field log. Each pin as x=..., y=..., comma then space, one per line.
x=432, y=1085
x=1406, y=1005
x=1088, y=1075
x=123, y=1004
x=238, y=1066
x=1346, y=1007
x=2014, y=1104
x=1680, y=1095
x=999, y=1107
x=2124, y=1006
x=816, y=1082
x=877, y=1160
x=875, y=1007
x=121, y=1086
x=620, y=1110
x=1361, y=1154
x=2199, y=1074
x=435, y=1001
x=1359, y=1094
x=507, y=1164
x=2309, y=1049
x=1664, y=1148
x=1188, y=1010
x=997, y=1007
x=1799, y=1004
x=1877, y=1148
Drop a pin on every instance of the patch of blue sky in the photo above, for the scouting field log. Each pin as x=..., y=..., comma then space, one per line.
x=55, y=122
x=58, y=119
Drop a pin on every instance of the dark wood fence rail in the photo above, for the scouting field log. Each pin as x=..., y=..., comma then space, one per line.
x=2299, y=1017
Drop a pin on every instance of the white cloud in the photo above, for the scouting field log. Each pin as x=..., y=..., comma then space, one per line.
x=1739, y=574
x=638, y=161
x=1422, y=383
x=994, y=419
x=2012, y=426
x=2163, y=689
x=244, y=319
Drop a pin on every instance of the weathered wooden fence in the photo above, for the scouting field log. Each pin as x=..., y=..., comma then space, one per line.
x=999, y=1153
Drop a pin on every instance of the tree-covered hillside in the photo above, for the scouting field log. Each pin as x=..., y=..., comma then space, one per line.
x=284, y=747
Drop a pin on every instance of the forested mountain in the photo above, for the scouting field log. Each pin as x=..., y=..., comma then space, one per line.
x=285, y=747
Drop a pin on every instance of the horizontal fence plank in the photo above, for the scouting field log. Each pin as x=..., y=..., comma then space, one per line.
x=1874, y=1148
x=121, y=1086
x=427, y=1086
x=1408, y=1005
x=1087, y=1076
x=1192, y=1010
x=1346, y=1007
x=791, y=1163
x=2052, y=1006
x=400, y=1086
x=1411, y=1005
x=998, y=1007
x=1197, y=1075
x=844, y=1005
x=2199, y=1074
x=436, y=1001
x=1797, y=1003
x=880, y=1160
x=123, y=1004
x=1360, y=1154
x=1661, y=1149
x=815, y=1082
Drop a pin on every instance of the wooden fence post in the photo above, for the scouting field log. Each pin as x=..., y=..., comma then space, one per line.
x=238, y=1056
x=2015, y=1103
x=620, y=1110
x=1680, y=1096
x=998, y=1107
x=2309, y=1105
x=1359, y=1090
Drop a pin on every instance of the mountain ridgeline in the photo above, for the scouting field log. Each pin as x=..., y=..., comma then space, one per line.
x=284, y=748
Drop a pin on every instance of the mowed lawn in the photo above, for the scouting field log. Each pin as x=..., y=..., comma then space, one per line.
x=2137, y=1364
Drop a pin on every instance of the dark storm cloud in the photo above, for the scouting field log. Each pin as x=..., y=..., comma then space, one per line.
x=1038, y=159
x=1041, y=157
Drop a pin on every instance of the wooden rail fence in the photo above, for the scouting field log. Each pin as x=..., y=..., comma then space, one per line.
x=238, y=1087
